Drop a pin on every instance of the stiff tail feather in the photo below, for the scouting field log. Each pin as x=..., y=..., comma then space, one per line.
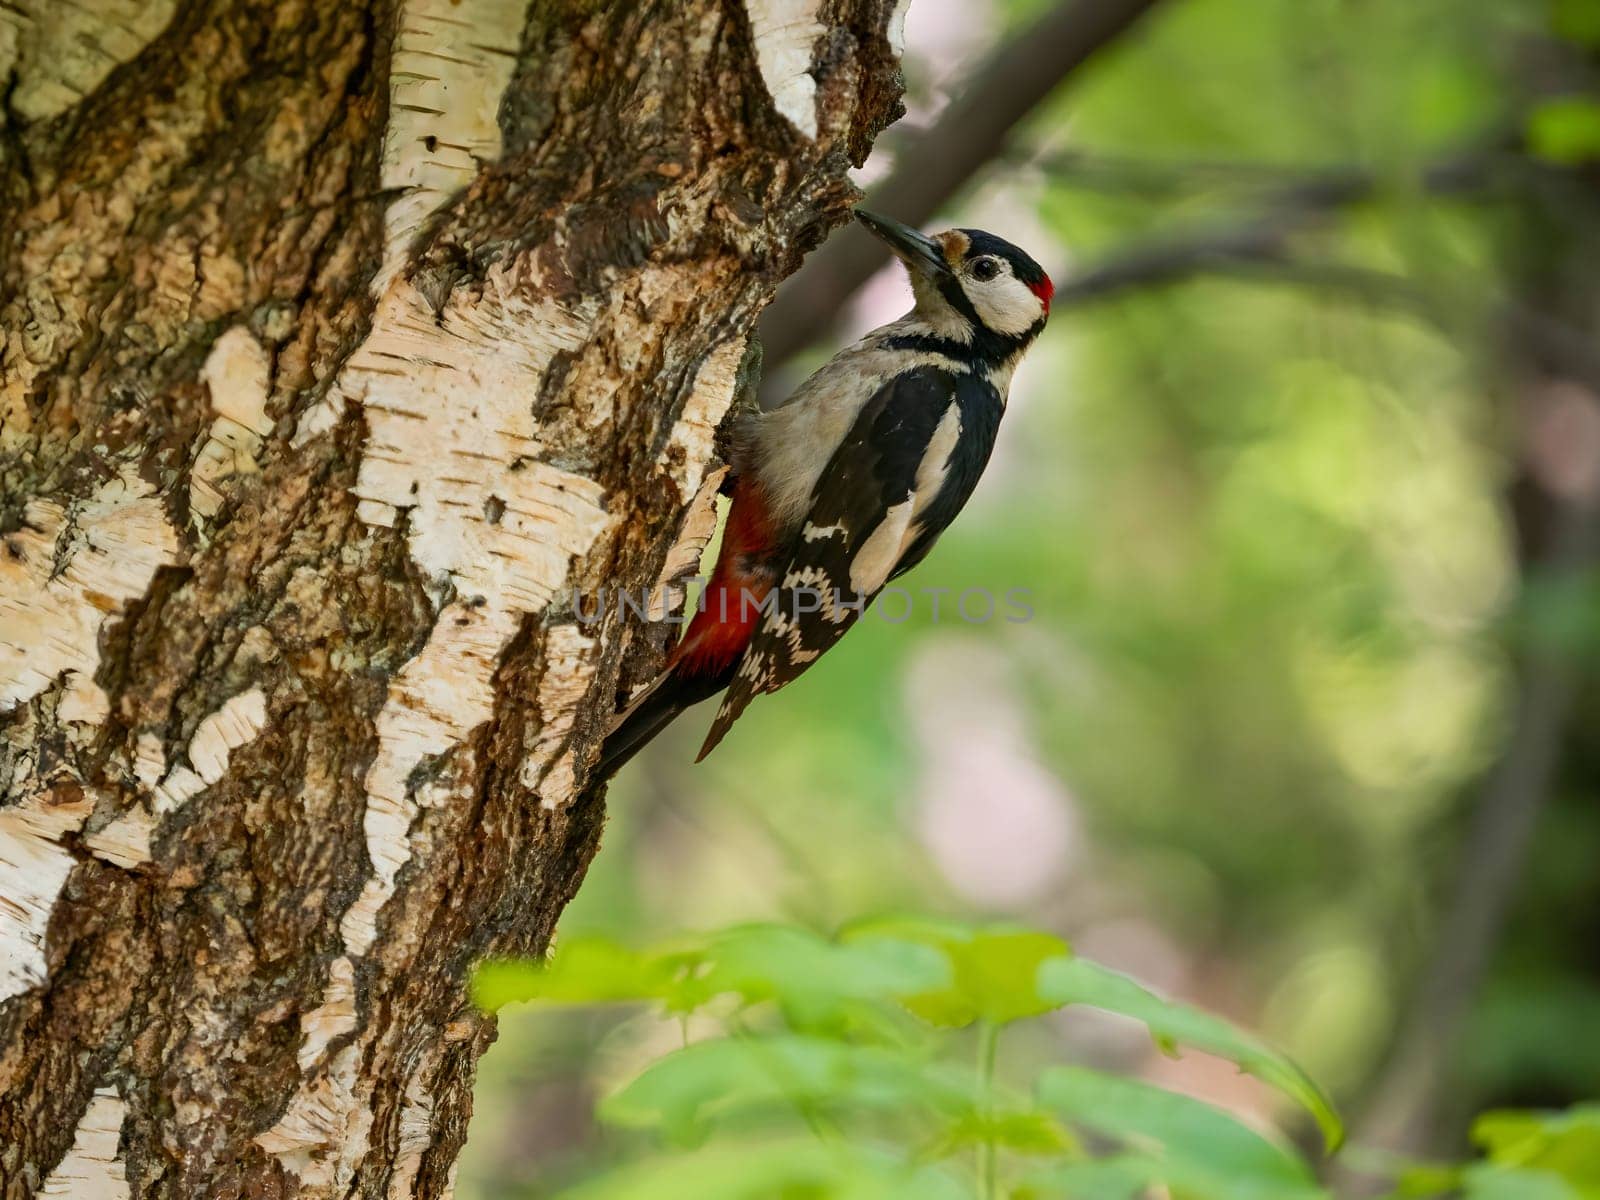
x=651, y=711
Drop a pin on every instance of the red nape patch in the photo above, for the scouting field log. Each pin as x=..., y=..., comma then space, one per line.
x=1044, y=289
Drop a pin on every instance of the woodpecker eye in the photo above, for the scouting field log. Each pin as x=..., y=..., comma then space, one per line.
x=985, y=269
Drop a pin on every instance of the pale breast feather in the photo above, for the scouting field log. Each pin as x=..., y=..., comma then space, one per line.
x=898, y=477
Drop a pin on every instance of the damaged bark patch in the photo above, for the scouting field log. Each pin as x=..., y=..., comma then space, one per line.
x=125, y=840
x=324, y=1135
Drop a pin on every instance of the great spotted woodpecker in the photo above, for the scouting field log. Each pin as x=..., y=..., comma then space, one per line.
x=849, y=483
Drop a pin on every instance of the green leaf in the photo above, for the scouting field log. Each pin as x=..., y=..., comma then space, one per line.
x=1425, y=1179
x=581, y=971
x=1134, y=1176
x=692, y=1087
x=1566, y=1144
x=815, y=980
x=1515, y=1183
x=1123, y=1177
x=993, y=973
x=1024, y=1131
x=1193, y=1142
x=1079, y=981
x=766, y=1171
x=1531, y=1156
x=1566, y=130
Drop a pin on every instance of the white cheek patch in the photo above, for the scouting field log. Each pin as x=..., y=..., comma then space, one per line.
x=1004, y=304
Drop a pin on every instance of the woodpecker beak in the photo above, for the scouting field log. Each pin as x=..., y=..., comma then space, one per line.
x=916, y=250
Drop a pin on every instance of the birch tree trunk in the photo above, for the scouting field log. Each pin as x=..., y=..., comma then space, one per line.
x=341, y=342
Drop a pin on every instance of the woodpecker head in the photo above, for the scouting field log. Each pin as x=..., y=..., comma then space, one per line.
x=970, y=285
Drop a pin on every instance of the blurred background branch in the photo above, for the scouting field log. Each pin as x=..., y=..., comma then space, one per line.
x=932, y=166
x=1403, y=1106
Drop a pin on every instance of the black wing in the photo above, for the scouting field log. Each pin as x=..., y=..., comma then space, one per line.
x=897, y=479
x=980, y=407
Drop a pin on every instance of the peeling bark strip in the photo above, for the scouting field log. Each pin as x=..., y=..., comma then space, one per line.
x=66, y=572
x=233, y=725
x=93, y=1169
x=786, y=33
x=690, y=448
x=451, y=63
x=340, y=345
x=61, y=52
x=237, y=374
x=33, y=867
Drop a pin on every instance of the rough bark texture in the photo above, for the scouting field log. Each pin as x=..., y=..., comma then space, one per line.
x=340, y=343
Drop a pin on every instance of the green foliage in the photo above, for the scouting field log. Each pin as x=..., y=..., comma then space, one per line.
x=1576, y=21
x=1567, y=1144
x=993, y=973
x=1178, y=1141
x=1566, y=131
x=816, y=981
x=689, y=1090
x=836, y=1073
x=853, y=1037
x=1079, y=981
x=774, y=1171
x=582, y=971
x=1527, y=1156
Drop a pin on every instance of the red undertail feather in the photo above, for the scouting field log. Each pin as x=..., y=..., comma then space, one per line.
x=731, y=606
x=703, y=662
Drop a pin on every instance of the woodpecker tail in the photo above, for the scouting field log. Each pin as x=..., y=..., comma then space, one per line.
x=651, y=711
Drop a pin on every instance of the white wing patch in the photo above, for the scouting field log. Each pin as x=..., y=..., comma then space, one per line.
x=936, y=460
x=887, y=545
x=870, y=568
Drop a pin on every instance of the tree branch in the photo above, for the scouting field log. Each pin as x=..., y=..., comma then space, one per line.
x=1260, y=248
x=1401, y=1112
x=932, y=168
x=1496, y=156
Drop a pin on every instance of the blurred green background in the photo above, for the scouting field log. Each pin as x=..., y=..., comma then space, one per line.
x=1304, y=727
